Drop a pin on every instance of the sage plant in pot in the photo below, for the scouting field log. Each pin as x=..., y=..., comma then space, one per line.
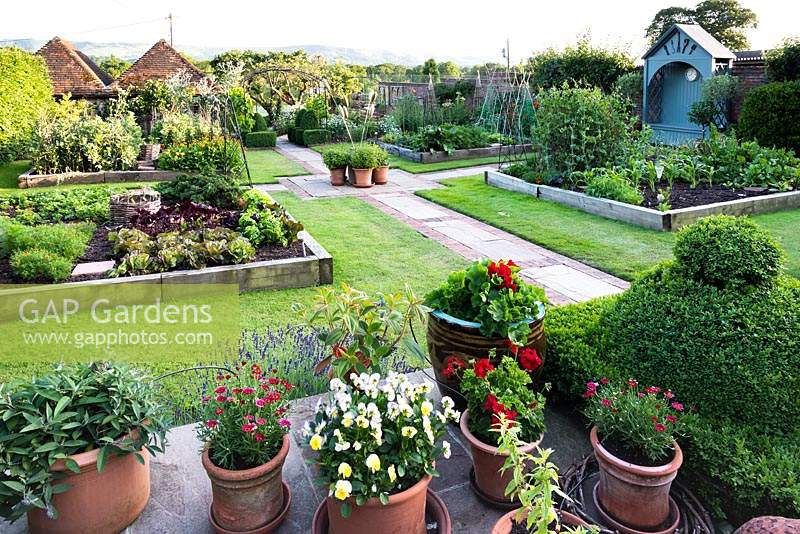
x=533, y=480
x=495, y=393
x=362, y=161
x=483, y=308
x=245, y=435
x=75, y=447
x=337, y=159
x=376, y=444
x=380, y=174
x=634, y=440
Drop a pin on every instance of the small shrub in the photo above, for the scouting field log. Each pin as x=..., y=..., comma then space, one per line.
x=216, y=189
x=716, y=95
x=771, y=115
x=65, y=240
x=205, y=155
x=783, y=62
x=176, y=128
x=608, y=184
x=630, y=87
x=260, y=123
x=316, y=137
x=336, y=157
x=726, y=251
x=306, y=119
x=581, y=64
x=363, y=157
x=40, y=265
x=261, y=139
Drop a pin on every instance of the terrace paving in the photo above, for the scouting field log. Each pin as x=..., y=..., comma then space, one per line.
x=563, y=279
x=181, y=492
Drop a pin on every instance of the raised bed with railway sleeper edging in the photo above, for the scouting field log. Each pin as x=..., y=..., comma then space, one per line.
x=467, y=153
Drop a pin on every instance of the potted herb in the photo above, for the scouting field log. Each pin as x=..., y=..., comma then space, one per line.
x=362, y=332
x=376, y=444
x=362, y=162
x=633, y=438
x=244, y=431
x=76, y=445
x=380, y=175
x=495, y=393
x=337, y=159
x=533, y=480
x=484, y=307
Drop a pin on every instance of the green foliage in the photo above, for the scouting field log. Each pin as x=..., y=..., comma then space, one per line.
x=580, y=129
x=502, y=391
x=337, y=157
x=258, y=139
x=408, y=113
x=316, y=137
x=205, y=156
x=110, y=407
x=492, y=294
x=265, y=221
x=60, y=205
x=449, y=92
x=25, y=93
x=65, y=240
x=152, y=97
x=726, y=20
x=630, y=86
x=582, y=64
x=260, y=123
x=717, y=94
x=215, y=189
x=728, y=252
x=783, y=62
x=306, y=119
x=362, y=332
x=449, y=137
x=195, y=248
x=243, y=107
x=71, y=138
x=36, y=264
x=771, y=115
x=363, y=157
x=113, y=65
x=181, y=128
x=613, y=185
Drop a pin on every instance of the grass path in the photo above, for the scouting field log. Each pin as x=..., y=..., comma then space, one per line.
x=267, y=164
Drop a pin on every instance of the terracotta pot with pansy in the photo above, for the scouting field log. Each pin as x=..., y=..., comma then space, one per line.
x=495, y=393
x=245, y=433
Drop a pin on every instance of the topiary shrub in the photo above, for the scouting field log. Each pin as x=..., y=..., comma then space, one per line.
x=260, y=123
x=726, y=251
x=305, y=119
x=771, y=115
x=265, y=139
x=316, y=137
x=25, y=92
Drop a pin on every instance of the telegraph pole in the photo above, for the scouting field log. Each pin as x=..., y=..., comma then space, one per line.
x=508, y=54
x=170, y=29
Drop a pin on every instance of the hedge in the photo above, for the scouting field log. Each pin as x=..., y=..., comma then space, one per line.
x=771, y=115
x=316, y=137
x=261, y=139
x=305, y=119
x=25, y=92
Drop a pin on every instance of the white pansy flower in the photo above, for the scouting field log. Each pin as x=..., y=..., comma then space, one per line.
x=446, y=449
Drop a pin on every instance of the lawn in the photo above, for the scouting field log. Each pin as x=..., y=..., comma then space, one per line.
x=621, y=249
x=414, y=167
x=349, y=229
x=10, y=172
x=266, y=165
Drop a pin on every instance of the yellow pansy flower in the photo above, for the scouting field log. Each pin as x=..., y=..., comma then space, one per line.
x=316, y=442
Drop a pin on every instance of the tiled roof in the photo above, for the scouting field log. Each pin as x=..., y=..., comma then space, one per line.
x=699, y=36
x=158, y=63
x=72, y=71
x=749, y=55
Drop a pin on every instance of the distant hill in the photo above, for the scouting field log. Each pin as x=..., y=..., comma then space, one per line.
x=132, y=52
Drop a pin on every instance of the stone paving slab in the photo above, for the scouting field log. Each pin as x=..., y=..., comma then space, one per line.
x=93, y=267
x=575, y=284
x=411, y=207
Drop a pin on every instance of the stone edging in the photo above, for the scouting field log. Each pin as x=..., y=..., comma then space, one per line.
x=433, y=157
x=647, y=217
x=30, y=180
x=314, y=269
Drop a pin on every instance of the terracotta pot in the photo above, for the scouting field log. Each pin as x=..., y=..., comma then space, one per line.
x=435, y=511
x=247, y=499
x=270, y=527
x=363, y=177
x=449, y=336
x=380, y=175
x=405, y=513
x=487, y=461
x=506, y=523
x=351, y=175
x=636, y=496
x=337, y=176
x=97, y=503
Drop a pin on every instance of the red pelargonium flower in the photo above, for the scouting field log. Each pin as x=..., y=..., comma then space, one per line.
x=529, y=359
x=513, y=348
x=502, y=269
x=482, y=367
x=249, y=427
x=510, y=415
x=491, y=404
x=453, y=365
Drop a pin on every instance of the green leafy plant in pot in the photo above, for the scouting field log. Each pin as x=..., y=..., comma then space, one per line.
x=362, y=162
x=337, y=159
x=81, y=434
x=380, y=175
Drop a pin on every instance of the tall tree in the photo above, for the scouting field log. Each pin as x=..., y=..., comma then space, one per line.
x=726, y=20
x=430, y=68
x=113, y=65
x=448, y=69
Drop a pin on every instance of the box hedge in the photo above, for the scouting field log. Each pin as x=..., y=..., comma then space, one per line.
x=316, y=137
x=771, y=115
x=265, y=139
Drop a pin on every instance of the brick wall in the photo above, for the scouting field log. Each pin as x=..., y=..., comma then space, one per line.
x=751, y=74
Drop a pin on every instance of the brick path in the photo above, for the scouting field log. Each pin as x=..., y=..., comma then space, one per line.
x=564, y=279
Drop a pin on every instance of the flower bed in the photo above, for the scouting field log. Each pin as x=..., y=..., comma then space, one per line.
x=435, y=156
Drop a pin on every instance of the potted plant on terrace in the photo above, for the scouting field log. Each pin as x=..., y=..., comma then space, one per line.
x=362, y=332
x=380, y=174
x=533, y=480
x=377, y=442
x=75, y=448
x=362, y=161
x=633, y=438
x=337, y=159
x=484, y=307
x=495, y=393
x=244, y=431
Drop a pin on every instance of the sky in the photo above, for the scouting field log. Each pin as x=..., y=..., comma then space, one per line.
x=463, y=28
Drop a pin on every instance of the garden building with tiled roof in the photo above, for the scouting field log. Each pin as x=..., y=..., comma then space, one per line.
x=73, y=72
x=159, y=63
